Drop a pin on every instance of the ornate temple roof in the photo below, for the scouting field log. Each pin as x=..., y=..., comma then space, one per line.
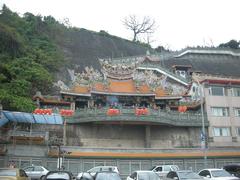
x=123, y=87
x=120, y=77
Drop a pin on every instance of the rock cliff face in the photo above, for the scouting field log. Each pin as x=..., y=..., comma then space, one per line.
x=82, y=48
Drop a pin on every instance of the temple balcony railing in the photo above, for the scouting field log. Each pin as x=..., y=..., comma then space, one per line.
x=148, y=65
x=174, y=118
x=26, y=137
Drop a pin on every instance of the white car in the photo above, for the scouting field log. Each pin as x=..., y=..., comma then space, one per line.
x=96, y=169
x=143, y=175
x=36, y=172
x=216, y=174
x=162, y=170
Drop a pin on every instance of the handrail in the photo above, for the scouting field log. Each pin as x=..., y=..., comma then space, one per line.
x=148, y=65
x=128, y=115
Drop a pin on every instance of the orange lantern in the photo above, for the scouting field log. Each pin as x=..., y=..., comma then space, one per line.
x=140, y=111
x=182, y=108
x=113, y=112
x=65, y=112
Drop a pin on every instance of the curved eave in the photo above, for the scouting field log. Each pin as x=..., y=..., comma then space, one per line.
x=121, y=93
x=168, y=97
x=75, y=94
x=221, y=81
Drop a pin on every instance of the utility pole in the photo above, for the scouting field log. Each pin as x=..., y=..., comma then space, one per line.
x=57, y=142
x=64, y=131
x=203, y=133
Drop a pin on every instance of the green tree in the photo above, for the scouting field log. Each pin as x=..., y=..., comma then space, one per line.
x=233, y=44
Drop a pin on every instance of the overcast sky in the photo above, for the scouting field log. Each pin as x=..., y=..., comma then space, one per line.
x=180, y=23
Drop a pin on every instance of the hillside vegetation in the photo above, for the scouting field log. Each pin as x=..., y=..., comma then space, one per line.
x=36, y=50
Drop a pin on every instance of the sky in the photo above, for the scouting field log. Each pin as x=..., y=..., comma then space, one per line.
x=179, y=23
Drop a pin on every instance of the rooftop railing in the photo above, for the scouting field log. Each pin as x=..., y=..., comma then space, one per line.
x=148, y=65
x=27, y=133
x=127, y=115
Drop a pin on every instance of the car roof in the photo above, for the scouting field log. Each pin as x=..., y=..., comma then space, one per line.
x=213, y=169
x=144, y=171
x=231, y=165
x=184, y=171
x=104, y=166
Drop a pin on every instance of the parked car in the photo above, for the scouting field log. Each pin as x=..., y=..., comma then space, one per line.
x=233, y=169
x=96, y=169
x=182, y=175
x=162, y=170
x=143, y=175
x=36, y=172
x=107, y=175
x=216, y=174
x=13, y=174
x=59, y=175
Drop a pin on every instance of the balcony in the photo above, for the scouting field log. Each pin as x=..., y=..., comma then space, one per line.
x=25, y=137
x=128, y=116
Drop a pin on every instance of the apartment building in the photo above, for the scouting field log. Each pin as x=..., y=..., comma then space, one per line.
x=222, y=104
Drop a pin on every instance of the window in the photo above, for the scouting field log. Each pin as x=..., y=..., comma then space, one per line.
x=217, y=91
x=221, y=131
x=237, y=112
x=158, y=169
x=236, y=91
x=181, y=73
x=134, y=175
x=205, y=173
x=220, y=111
x=38, y=168
x=238, y=131
x=167, y=168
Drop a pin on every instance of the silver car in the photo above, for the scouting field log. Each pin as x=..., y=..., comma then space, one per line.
x=92, y=172
x=36, y=172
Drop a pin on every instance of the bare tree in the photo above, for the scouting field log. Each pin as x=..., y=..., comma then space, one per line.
x=147, y=25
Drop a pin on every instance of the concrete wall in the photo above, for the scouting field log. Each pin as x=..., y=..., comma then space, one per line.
x=123, y=135
x=131, y=136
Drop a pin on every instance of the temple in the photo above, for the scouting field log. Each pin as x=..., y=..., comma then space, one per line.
x=124, y=86
x=145, y=110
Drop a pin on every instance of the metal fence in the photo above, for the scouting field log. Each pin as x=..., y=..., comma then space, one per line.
x=126, y=166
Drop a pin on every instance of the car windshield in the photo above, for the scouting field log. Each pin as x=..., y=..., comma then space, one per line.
x=8, y=172
x=175, y=168
x=152, y=168
x=107, y=176
x=220, y=173
x=148, y=176
x=188, y=175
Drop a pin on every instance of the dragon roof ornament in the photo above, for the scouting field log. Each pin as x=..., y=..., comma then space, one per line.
x=120, y=68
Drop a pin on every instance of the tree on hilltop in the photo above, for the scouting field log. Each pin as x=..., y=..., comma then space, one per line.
x=145, y=26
